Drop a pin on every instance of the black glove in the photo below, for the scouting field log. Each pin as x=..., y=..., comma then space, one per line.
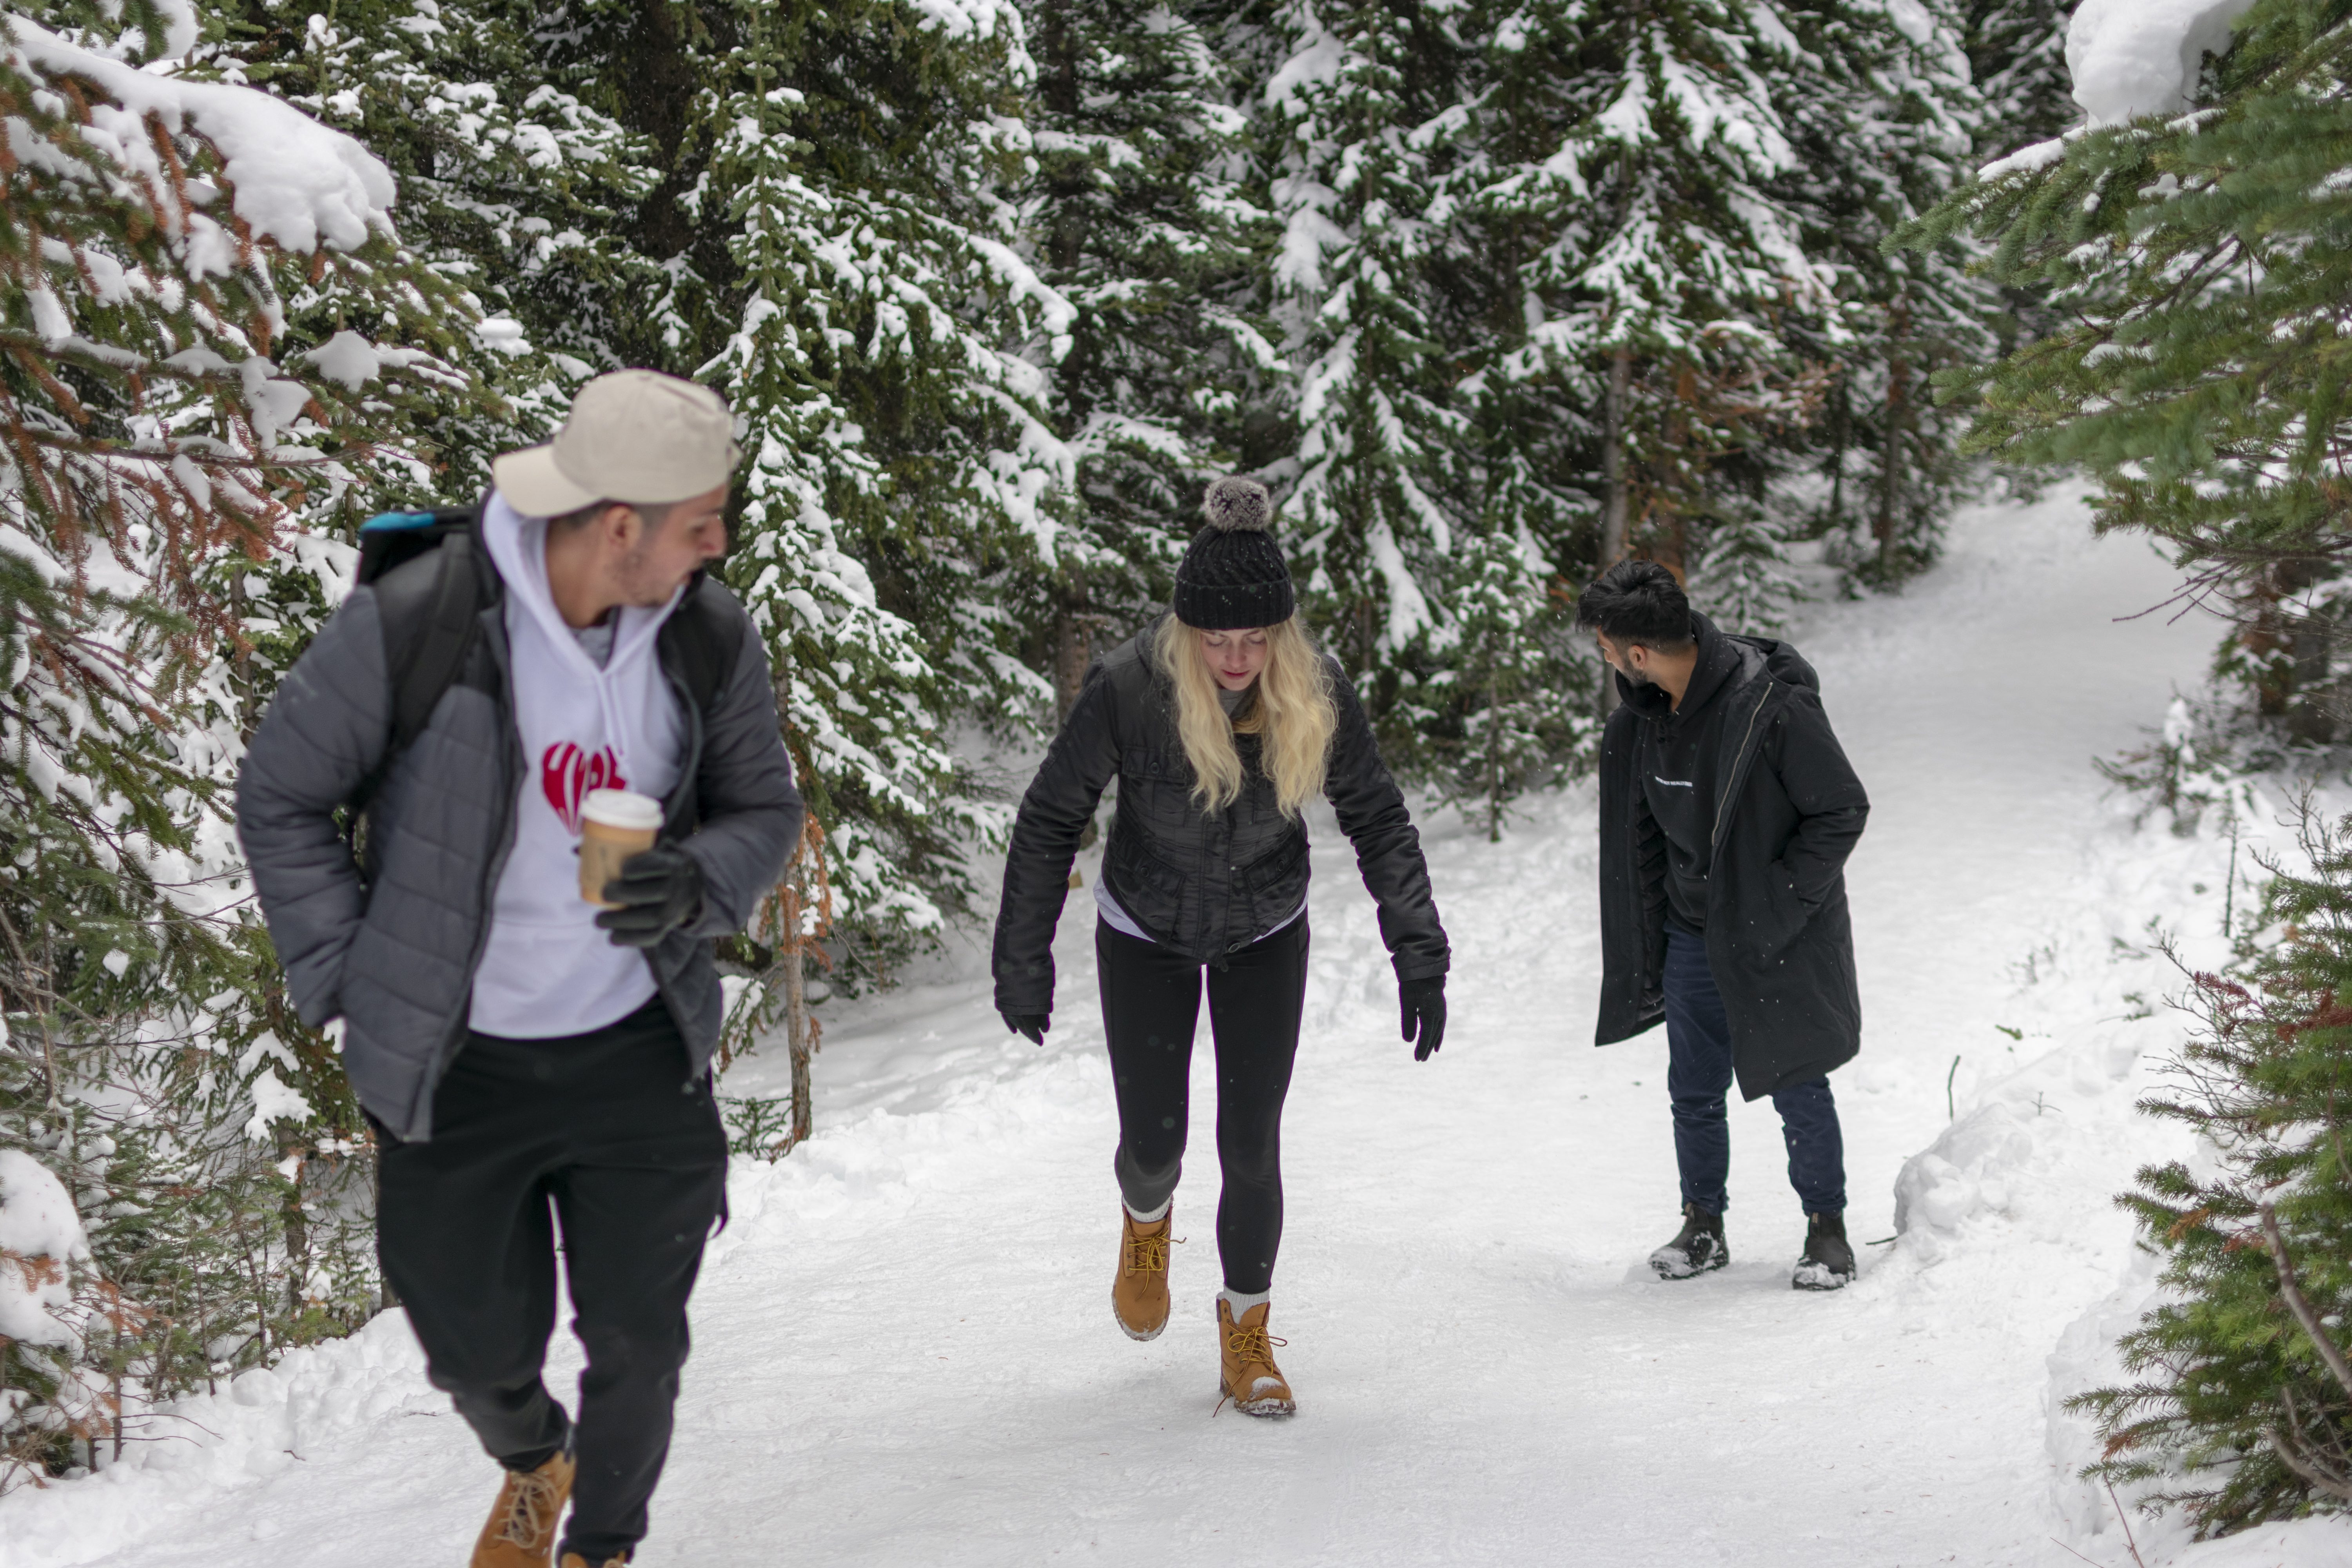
x=1032, y=1025
x=659, y=889
x=1422, y=1002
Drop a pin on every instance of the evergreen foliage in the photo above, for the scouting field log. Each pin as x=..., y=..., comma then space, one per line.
x=1882, y=115
x=2017, y=57
x=216, y=357
x=2242, y=1407
x=1137, y=214
x=1361, y=121
x=2197, y=270
x=861, y=302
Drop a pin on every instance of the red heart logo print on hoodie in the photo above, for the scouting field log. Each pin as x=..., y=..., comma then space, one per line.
x=567, y=774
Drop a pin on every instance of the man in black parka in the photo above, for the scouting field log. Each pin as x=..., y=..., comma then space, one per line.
x=1728, y=811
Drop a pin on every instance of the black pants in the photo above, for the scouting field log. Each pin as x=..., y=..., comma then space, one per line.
x=604, y=1133
x=1699, y=1072
x=1151, y=1003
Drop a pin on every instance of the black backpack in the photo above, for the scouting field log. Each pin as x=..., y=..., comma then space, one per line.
x=431, y=615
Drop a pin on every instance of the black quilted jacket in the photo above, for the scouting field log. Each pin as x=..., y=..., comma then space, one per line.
x=1204, y=885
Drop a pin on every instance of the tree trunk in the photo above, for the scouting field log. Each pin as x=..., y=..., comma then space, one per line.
x=1613, y=503
x=800, y=1030
x=1493, y=756
x=298, y=1232
x=1074, y=644
x=1898, y=409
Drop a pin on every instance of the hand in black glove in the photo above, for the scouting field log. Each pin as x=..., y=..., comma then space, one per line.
x=659, y=889
x=1032, y=1025
x=1422, y=1003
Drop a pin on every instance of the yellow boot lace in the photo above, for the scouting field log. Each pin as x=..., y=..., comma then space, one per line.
x=531, y=1506
x=1148, y=1254
x=1254, y=1347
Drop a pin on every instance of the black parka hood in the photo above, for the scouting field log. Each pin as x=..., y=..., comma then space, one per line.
x=1720, y=657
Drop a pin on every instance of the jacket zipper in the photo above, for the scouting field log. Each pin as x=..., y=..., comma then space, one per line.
x=669, y=817
x=1739, y=770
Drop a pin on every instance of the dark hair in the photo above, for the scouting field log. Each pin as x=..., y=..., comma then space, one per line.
x=1637, y=602
x=653, y=514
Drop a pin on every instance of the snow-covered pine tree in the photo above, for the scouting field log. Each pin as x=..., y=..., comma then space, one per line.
x=834, y=282
x=2200, y=267
x=1640, y=151
x=1505, y=726
x=185, y=439
x=859, y=295
x=1137, y=214
x=1517, y=703
x=1878, y=105
x=510, y=186
x=1357, y=126
x=2017, y=59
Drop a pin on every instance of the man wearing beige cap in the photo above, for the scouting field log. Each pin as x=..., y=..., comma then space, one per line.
x=532, y=1061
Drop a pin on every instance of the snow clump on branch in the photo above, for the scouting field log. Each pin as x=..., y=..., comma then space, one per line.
x=2130, y=57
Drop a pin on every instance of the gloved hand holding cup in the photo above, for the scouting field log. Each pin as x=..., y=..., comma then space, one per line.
x=614, y=823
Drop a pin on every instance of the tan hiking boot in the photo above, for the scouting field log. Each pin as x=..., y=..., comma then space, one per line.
x=1251, y=1381
x=521, y=1530
x=1138, y=1295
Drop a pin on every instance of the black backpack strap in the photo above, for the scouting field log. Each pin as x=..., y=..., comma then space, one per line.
x=438, y=631
x=429, y=607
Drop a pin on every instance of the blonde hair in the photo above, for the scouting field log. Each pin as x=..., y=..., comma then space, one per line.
x=1291, y=707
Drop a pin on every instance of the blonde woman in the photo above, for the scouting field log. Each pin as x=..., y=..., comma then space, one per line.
x=1220, y=721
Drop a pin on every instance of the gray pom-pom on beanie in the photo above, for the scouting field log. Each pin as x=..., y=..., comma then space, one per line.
x=1233, y=578
x=1236, y=505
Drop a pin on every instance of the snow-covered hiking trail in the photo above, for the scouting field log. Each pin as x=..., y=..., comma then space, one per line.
x=905, y=1353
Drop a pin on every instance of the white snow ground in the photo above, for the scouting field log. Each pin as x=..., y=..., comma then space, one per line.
x=905, y=1353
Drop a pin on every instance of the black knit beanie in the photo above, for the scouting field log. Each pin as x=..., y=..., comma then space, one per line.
x=1233, y=576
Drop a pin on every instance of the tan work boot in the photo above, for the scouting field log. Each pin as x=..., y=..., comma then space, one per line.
x=1138, y=1295
x=521, y=1530
x=1251, y=1381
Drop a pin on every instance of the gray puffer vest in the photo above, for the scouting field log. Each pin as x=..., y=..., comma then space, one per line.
x=392, y=948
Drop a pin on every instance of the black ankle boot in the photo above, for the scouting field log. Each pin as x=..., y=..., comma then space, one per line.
x=1698, y=1249
x=1828, y=1262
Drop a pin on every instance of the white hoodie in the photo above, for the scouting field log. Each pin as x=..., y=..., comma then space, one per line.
x=547, y=970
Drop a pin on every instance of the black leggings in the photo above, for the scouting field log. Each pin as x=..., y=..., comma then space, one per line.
x=1151, y=1002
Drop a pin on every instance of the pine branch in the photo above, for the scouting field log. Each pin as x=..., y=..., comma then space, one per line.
x=2329, y=1351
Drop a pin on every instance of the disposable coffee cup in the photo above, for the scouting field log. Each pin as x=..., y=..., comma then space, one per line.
x=614, y=823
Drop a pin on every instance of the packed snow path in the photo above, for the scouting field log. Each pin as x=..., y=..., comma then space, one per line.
x=905, y=1353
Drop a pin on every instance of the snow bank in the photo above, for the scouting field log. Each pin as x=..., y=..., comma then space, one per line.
x=2097, y=1520
x=40, y=1235
x=2130, y=57
x=263, y=1422
x=296, y=181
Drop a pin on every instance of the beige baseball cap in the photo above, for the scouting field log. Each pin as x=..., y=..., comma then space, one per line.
x=632, y=435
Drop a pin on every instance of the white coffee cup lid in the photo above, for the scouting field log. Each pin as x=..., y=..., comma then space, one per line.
x=621, y=808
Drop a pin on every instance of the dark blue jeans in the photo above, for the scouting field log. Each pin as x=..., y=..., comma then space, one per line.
x=1698, y=1072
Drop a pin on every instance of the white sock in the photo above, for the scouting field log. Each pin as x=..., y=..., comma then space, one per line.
x=1152, y=1217
x=1242, y=1302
